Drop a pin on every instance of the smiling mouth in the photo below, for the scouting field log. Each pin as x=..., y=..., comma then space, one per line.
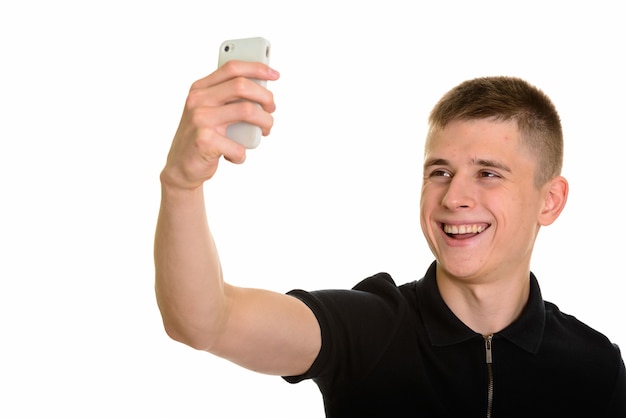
x=463, y=231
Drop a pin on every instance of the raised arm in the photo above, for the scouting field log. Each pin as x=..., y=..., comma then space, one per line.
x=261, y=330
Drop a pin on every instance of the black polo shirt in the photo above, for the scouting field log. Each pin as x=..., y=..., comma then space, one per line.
x=399, y=351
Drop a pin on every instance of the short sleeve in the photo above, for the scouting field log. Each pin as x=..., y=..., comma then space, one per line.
x=357, y=325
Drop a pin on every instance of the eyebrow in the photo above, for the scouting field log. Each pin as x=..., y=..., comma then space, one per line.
x=473, y=161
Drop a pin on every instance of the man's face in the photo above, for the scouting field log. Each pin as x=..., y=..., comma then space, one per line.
x=479, y=203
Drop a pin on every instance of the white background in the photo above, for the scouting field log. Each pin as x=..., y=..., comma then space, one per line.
x=90, y=97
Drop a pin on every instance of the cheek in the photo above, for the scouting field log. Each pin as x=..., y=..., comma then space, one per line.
x=523, y=216
x=431, y=197
x=428, y=203
x=427, y=193
x=530, y=206
x=425, y=198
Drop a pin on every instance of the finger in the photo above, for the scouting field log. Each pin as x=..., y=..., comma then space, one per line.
x=233, y=69
x=218, y=118
x=233, y=151
x=245, y=111
x=197, y=148
x=230, y=91
x=214, y=145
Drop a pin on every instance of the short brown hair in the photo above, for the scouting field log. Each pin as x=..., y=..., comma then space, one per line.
x=508, y=98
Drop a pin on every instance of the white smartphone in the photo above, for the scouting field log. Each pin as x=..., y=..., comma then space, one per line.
x=246, y=49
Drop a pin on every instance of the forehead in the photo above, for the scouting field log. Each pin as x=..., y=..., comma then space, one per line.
x=475, y=137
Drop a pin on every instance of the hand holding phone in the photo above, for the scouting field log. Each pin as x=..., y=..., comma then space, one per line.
x=253, y=50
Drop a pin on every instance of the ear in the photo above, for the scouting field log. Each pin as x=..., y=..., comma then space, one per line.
x=555, y=196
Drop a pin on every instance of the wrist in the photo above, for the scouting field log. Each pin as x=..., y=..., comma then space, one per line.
x=172, y=186
x=172, y=179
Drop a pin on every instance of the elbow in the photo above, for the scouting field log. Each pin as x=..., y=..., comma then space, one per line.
x=192, y=337
x=184, y=328
x=195, y=325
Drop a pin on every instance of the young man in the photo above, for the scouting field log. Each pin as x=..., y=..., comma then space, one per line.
x=473, y=338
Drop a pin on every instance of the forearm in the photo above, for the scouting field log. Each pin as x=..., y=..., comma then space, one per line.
x=194, y=301
x=189, y=286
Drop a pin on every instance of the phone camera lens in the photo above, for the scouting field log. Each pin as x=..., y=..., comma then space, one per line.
x=226, y=48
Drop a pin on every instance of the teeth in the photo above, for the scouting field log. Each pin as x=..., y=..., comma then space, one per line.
x=463, y=229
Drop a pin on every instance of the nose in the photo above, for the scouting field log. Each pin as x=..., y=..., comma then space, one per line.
x=459, y=194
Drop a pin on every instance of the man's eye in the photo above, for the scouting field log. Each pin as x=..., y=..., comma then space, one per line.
x=440, y=173
x=489, y=174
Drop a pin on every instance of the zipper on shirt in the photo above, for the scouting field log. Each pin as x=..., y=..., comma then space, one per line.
x=489, y=359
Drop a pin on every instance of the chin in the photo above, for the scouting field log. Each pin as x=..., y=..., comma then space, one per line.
x=459, y=268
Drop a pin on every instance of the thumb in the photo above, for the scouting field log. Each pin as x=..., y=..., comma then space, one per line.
x=233, y=151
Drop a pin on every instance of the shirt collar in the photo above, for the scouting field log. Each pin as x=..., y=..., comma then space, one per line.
x=444, y=328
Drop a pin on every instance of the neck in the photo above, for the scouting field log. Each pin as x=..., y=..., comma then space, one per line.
x=486, y=307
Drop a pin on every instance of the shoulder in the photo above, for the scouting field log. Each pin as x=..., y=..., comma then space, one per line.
x=578, y=338
x=357, y=325
x=590, y=355
x=370, y=296
x=570, y=326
